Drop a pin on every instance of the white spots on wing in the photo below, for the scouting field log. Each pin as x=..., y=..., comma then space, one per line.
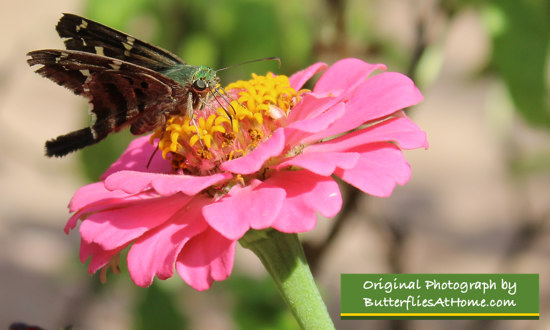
x=99, y=50
x=91, y=110
x=116, y=64
x=83, y=42
x=63, y=55
x=93, y=115
x=86, y=73
x=82, y=25
x=128, y=45
x=94, y=133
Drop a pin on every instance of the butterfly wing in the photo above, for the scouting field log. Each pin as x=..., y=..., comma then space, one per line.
x=86, y=35
x=120, y=94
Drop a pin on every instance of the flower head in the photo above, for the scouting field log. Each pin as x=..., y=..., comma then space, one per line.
x=260, y=156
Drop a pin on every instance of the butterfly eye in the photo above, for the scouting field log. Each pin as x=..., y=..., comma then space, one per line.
x=199, y=85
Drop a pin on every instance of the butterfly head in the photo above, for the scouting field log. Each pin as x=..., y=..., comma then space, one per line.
x=204, y=80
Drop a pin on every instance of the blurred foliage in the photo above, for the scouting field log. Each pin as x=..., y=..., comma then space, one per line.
x=520, y=32
x=158, y=310
x=262, y=310
x=222, y=33
x=530, y=164
x=97, y=158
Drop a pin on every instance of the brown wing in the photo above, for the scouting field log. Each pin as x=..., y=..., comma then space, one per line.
x=86, y=35
x=120, y=94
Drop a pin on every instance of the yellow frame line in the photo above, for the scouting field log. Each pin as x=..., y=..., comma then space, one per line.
x=439, y=314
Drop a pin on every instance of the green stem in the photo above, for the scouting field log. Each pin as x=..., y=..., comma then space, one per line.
x=283, y=257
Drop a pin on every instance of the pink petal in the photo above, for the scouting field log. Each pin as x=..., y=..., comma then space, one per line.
x=322, y=163
x=380, y=167
x=300, y=130
x=92, y=198
x=155, y=252
x=310, y=105
x=136, y=157
x=107, y=204
x=400, y=130
x=93, y=193
x=254, y=206
x=298, y=79
x=132, y=182
x=345, y=75
x=99, y=256
x=206, y=258
x=379, y=96
x=254, y=160
x=89, y=249
x=116, y=227
x=306, y=194
x=124, y=186
x=90, y=194
x=187, y=184
x=335, y=85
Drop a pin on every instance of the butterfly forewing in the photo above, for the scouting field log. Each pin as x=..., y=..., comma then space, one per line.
x=81, y=65
x=86, y=35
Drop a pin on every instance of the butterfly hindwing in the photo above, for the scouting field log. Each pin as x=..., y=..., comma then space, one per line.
x=120, y=94
x=86, y=35
x=120, y=99
x=117, y=100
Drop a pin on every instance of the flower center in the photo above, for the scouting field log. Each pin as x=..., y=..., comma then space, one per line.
x=227, y=126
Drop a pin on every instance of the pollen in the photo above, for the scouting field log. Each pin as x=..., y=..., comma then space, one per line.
x=228, y=125
x=262, y=91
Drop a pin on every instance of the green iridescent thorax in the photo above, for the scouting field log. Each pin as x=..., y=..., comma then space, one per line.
x=186, y=74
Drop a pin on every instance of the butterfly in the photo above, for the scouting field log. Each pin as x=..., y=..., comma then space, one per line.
x=128, y=82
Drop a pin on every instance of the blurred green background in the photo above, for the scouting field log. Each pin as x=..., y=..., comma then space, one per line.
x=480, y=196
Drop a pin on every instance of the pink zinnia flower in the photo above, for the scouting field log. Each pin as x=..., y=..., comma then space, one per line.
x=269, y=166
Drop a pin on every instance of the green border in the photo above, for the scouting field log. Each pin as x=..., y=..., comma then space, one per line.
x=527, y=309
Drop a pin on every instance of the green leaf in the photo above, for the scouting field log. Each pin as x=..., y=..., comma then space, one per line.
x=520, y=32
x=257, y=304
x=158, y=310
x=96, y=159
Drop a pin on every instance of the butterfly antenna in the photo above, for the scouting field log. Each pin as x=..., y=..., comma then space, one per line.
x=272, y=58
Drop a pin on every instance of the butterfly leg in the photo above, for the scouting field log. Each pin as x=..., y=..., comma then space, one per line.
x=154, y=151
x=228, y=115
x=191, y=112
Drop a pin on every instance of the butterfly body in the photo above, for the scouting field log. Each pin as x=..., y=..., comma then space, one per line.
x=186, y=74
x=198, y=79
x=128, y=82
